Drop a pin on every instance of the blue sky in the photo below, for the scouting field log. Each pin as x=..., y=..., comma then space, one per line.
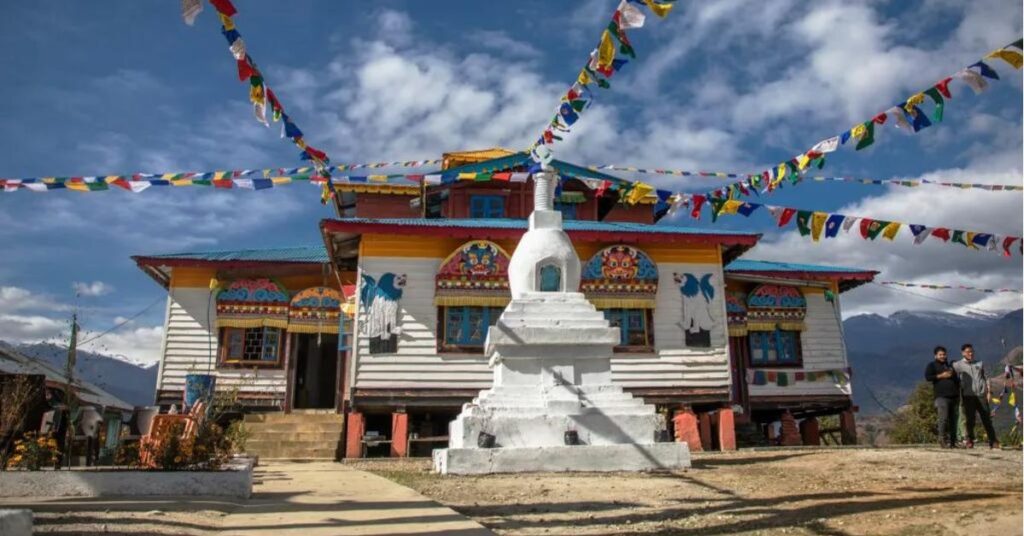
x=734, y=85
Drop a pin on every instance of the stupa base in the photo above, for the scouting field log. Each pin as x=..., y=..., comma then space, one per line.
x=576, y=458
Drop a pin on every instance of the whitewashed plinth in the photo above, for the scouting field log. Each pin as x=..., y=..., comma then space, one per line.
x=579, y=458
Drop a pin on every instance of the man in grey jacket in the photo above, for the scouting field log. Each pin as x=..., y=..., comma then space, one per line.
x=974, y=389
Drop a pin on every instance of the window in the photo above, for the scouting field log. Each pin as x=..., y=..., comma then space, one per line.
x=465, y=327
x=568, y=210
x=775, y=347
x=251, y=346
x=486, y=206
x=384, y=346
x=633, y=324
x=550, y=278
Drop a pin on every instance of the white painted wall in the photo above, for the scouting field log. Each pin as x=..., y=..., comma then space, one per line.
x=418, y=365
x=822, y=349
x=188, y=340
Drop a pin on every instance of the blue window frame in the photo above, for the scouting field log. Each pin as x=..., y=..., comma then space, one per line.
x=633, y=324
x=777, y=347
x=486, y=206
x=466, y=326
x=568, y=210
x=550, y=278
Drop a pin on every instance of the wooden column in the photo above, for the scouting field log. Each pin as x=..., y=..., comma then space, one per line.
x=809, y=431
x=355, y=427
x=848, y=427
x=399, y=434
x=705, y=430
x=685, y=423
x=726, y=429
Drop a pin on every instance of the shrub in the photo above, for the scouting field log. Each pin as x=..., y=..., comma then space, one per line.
x=127, y=455
x=237, y=435
x=33, y=452
x=917, y=422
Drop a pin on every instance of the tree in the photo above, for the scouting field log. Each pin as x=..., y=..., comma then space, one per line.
x=916, y=422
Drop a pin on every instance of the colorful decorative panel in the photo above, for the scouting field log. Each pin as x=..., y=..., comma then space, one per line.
x=736, y=312
x=250, y=303
x=476, y=273
x=620, y=276
x=776, y=306
x=315, y=310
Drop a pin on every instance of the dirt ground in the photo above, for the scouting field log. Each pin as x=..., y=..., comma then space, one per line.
x=918, y=491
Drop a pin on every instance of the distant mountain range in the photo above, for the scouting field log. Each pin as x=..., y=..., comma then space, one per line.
x=134, y=383
x=889, y=354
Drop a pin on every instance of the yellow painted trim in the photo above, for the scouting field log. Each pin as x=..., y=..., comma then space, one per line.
x=185, y=277
x=370, y=188
x=478, y=301
x=313, y=328
x=621, y=303
x=812, y=290
x=737, y=331
x=770, y=326
x=281, y=323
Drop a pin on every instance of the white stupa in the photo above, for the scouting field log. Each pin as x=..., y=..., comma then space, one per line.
x=553, y=406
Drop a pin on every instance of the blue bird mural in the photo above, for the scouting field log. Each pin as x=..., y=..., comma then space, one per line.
x=379, y=301
x=698, y=293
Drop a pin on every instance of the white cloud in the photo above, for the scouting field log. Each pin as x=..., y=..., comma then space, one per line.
x=96, y=288
x=135, y=344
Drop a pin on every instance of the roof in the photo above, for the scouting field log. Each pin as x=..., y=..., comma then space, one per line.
x=296, y=254
x=847, y=278
x=735, y=242
x=523, y=158
x=12, y=362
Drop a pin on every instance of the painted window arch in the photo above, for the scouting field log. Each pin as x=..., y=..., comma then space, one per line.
x=471, y=290
x=622, y=281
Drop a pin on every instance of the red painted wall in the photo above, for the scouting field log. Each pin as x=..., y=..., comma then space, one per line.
x=385, y=206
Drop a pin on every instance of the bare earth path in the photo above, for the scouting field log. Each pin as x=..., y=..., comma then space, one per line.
x=306, y=499
x=831, y=492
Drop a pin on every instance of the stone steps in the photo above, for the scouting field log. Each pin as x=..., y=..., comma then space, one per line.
x=305, y=435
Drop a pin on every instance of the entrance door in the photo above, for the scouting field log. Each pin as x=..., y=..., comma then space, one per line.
x=739, y=350
x=316, y=370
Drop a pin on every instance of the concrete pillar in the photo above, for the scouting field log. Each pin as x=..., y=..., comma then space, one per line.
x=848, y=427
x=399, y=434
x=685, y=423
x=355, y=428
x=790, y=432
x=705, y=429
x=726, y=429
x=809, y=431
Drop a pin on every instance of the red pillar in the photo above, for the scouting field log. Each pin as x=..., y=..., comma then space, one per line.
x=685, y=422
x=809, y=431
x=705, y=430
x=354, y=430
x=399, y=434
x=790, y=432
x=726, y=429
x=848, y=427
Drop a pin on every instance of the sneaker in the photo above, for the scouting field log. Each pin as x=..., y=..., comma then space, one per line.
x=969, y=444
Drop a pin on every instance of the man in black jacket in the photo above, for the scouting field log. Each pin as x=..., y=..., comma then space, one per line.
x=947, y=396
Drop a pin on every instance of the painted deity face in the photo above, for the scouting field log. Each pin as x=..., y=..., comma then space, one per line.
x=619, y=263
x=478, y=259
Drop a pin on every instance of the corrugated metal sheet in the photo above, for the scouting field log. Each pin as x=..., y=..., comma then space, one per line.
x=746, y=265
x=312, y=254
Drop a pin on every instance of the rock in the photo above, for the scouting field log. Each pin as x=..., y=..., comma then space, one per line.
x=155, y=513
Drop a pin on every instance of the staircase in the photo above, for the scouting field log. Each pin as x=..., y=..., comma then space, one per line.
x=300, y=435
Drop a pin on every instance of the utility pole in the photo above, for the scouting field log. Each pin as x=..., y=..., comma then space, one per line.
x=69, y=398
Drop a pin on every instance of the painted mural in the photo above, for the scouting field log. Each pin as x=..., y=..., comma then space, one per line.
x=776, y=306
x=620, y=276
x=379, y=299
x=698, y=292
x=247, y=303
x=315, y=310
x=475, y=274
x=736, y=312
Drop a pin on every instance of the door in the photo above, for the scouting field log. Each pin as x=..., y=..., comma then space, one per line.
x=316, y=370
x=739, y=352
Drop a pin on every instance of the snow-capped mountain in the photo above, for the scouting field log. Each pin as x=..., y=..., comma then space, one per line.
x=889, y=354
x=130, y=381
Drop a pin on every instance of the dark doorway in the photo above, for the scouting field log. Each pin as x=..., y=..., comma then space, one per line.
x=739, y=352
x=316, y=370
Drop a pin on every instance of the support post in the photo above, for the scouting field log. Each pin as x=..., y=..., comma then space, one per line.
x=685, y=423
x=809, y=431
x=848, y=427
x=399, y=434
x=355, y=427
x=790, y=432
x=705, y=429
x=726, y=429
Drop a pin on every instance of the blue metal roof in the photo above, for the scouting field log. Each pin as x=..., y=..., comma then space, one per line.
x=746, y=265
x=311, y=254
x=569, y=225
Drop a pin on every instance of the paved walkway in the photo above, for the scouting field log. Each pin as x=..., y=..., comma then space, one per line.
x=330, y=498
x=308, y=499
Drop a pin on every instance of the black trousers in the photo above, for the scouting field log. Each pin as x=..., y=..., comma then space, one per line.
x=977, y=405
x=948, y=418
